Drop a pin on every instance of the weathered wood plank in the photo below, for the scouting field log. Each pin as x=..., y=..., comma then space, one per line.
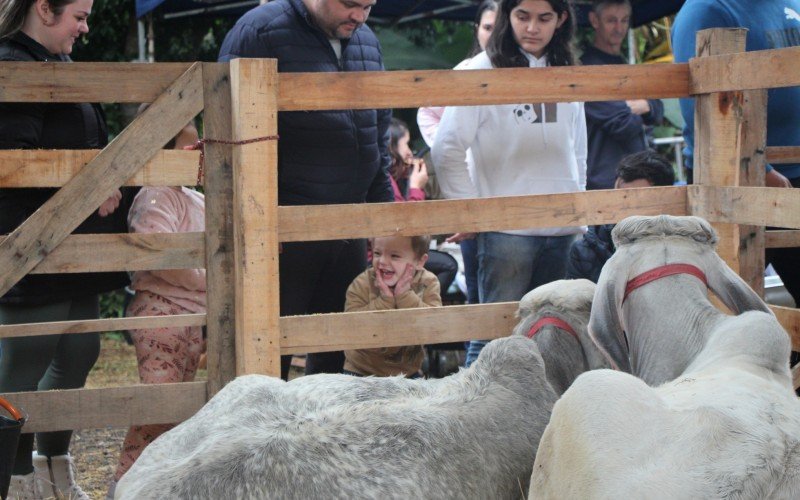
x=309, y=223
x=334, y=332
x=762, y=69
x=220, y=276
x=86, y=82
x=24, y=248
x=777, y=207
x=406, y=89
x=54, y=168
x=92, y=253
x=254, y=90
x=101, y=325
x=790, y=320
x=730, y=133
x=783, y=154
x=115, y=407
x=782, y=239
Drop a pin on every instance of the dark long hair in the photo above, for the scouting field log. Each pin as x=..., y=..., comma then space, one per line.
x=504, y=52
x=13, y=12
x=490, y=5
x=399, y=167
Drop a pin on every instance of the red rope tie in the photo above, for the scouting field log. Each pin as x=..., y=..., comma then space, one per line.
x=551, y=320
x=661, y=272
x=200, y=145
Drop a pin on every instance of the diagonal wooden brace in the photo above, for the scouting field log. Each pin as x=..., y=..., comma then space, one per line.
x=43, y=231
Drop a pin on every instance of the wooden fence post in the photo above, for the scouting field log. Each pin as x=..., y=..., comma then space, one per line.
x=218, y=185
x=254, y=91
x=730, y=145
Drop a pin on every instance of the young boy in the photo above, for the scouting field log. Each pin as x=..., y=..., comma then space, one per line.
x=396, y=280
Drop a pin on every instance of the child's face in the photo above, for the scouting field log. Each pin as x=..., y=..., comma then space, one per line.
x=391, y=254
x=186, y=137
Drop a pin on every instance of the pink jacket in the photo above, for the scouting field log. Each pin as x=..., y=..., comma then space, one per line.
x=414, y=194
x=170, y=210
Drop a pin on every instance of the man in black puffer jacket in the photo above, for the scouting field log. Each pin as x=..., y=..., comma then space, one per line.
x=588, y=255
x=324, y=157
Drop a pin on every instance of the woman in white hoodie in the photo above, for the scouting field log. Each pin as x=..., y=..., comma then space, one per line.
x=518, y=149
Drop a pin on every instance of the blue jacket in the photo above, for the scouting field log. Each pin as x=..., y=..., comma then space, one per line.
x=613, y=130
x=771, y=24
x=588, y=255
x=324, y=157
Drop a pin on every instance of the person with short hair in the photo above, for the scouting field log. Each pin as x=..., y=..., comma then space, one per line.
x=396, y=280
x=615, y=128
x=324, y=157
x=588, y=255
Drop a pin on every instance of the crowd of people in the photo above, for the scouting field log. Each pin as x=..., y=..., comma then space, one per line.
x=355, y=156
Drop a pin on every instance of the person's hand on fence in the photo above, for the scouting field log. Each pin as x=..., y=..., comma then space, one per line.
x=776, y=180
x=111, y=204
x=419, y=174
x=404, y=283
x=639, y=106
x=459, y=237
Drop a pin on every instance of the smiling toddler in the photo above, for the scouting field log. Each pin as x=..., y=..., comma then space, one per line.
x=396, y=280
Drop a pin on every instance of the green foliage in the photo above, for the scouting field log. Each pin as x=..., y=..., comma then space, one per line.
x=425, y=44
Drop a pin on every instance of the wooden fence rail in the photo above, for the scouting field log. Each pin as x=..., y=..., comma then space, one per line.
x=245, y=225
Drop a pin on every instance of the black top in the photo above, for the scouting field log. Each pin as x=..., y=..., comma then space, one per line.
x=323, y=156
x=588, y=255
x=52, y=126
x=613, y=130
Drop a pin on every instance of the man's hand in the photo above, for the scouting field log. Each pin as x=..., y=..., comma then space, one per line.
x=459, y=237
x=639, y=106
x=386, y=292
x=111, y=204
x=404, y=283
x=775, y=179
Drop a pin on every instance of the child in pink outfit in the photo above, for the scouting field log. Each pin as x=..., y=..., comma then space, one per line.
x=165, y=355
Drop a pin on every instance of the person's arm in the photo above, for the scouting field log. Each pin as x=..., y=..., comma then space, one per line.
x=244, y=41
x=381, y=188
x=691, y=19
x=457, y=132
x=358, y=296
x=159, y=211
x=615, y=118
x=581, y=147
x=656, y=114
x=428, y=121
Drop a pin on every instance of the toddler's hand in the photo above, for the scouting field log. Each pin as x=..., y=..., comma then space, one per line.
x=111, y=204
x=404, y=283
x=386, y=292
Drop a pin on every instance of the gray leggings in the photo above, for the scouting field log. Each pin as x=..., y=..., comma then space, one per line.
x=47, y=362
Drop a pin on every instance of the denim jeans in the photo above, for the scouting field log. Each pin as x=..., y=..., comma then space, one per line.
x=509, y=266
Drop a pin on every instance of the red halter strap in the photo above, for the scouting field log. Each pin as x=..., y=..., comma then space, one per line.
x=660, y=272
x=551, y=320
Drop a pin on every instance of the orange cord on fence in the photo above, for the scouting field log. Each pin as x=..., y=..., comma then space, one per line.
x=200, y=145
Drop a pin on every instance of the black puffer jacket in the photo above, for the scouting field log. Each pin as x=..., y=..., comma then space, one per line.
x=323, y=156
x=52, y=126
x=588, y=255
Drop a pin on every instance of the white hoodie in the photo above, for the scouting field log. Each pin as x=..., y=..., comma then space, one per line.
x=518, y=149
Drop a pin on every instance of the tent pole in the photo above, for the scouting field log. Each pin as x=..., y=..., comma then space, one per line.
x=141, y=39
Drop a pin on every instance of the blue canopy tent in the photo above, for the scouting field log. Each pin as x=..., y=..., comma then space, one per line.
x=392, y=11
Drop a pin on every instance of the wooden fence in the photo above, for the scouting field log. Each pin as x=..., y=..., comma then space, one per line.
x=244, y=224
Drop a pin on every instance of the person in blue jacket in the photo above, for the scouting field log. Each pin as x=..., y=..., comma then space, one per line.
x=324, y=157
x=588, y=255
x=615, y=128
x=771, y=24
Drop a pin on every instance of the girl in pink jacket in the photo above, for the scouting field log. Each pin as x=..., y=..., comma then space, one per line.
x=165, y=355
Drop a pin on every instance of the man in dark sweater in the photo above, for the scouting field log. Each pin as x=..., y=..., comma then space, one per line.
x=324, y=157
x=615, y=128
